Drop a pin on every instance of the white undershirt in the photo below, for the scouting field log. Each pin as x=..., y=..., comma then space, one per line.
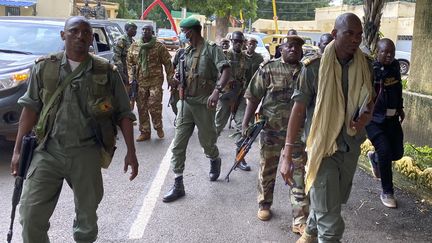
x=73, y=64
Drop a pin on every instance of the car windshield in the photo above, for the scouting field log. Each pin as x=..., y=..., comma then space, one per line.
x=166, y=33
x=30, y=38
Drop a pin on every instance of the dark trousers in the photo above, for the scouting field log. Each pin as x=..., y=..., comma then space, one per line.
x=387, y=138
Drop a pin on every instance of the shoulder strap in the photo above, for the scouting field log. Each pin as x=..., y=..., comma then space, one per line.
x=60, y=89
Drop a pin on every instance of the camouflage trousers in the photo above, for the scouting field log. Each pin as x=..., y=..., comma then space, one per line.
x=271, y=145
x=149, y=103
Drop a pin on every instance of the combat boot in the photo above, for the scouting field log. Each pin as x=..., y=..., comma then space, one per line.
x=160, y=133
x=215, y=165
x=176, y=192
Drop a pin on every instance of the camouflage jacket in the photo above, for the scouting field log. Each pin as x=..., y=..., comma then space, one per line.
x=157, y=56
x=274, y=83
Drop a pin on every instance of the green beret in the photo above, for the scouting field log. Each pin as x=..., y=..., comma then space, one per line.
x=189, y=22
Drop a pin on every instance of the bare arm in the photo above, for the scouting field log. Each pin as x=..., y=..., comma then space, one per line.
x=296, y=120
x=130, y=158
x=27, y=121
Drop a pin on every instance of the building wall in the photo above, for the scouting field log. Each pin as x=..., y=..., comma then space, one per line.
x=57, y=8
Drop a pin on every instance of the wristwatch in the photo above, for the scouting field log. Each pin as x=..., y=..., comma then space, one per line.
x=219, y=88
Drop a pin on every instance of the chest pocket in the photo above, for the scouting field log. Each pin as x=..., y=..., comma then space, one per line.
x=100, y=100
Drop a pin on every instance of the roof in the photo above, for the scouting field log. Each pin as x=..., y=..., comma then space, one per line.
x=17, y=3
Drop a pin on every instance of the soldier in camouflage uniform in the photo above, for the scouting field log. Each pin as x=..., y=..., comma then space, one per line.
x=99, y=11
x=120, y=51
x=273, y=85
x=204, y=61
x=145, y=59
x=86, y=11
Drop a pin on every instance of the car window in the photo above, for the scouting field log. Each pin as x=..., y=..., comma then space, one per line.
x=31, y=38
x=114, y=32
x=101, y=39
x=166, y=33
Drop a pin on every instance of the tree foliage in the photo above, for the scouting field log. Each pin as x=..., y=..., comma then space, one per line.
x=131, y=9
x=290, y=9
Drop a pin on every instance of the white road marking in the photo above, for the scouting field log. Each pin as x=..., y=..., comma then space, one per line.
x=139, y=225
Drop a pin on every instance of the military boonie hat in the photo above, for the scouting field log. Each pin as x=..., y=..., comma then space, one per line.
x=292, y=38
x=224, y=40
x=252, y=39
x=189, y=22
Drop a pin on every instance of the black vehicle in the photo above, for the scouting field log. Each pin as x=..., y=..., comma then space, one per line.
x=22, y=41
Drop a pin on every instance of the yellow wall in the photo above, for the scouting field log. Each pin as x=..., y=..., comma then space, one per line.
x=397, y=19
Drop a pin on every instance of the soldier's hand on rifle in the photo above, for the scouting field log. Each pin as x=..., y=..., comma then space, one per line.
x=213, y=99
x=132, y=161
x=287, y=166
x=14, y=164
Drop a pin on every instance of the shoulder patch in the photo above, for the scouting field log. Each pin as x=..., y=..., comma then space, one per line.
x=311, y=59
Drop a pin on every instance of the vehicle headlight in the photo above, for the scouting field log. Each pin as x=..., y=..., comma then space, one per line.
x=10, y=80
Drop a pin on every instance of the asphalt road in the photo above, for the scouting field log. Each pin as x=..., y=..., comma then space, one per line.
x=212, y=211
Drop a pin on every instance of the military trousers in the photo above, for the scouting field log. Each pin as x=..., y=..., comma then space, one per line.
x=149, y=104
x=331, y=189
x=81, y=169
x=193, y=112
x=223, y=112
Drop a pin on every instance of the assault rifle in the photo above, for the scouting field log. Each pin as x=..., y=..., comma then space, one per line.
x=28, y=145
x=246, y=143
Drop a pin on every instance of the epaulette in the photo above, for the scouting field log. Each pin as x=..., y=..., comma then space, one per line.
x=52, y=57
x=308, y=60
x=268, y=61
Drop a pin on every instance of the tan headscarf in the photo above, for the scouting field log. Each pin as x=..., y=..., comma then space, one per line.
x=329, y=114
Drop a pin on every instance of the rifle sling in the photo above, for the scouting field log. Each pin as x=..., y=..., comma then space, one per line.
x=59, y=90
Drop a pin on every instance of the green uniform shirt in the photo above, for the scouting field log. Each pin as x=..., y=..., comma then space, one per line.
x=274, y=82
x=72, y=123
x=157, y=56
x=252, y=64
x=211, y=63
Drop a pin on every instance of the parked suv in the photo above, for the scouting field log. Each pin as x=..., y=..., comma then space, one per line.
x=22, y=40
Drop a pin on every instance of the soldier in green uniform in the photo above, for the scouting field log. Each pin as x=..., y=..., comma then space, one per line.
x=252, y=63
x=93, y=98
x=99, y=11
x=204, y=62
x=228, y=100
x=120, y=51
x=331, y=89
x=145, y=59
x=273, y=85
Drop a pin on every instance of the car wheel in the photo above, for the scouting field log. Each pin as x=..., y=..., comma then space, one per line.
x=404, y=66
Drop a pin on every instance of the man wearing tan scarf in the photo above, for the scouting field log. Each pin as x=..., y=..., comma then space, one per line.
x=335, y=96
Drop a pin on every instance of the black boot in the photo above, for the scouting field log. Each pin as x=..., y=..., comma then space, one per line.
x=215, y=165
x=243, y=166
x=176, y=192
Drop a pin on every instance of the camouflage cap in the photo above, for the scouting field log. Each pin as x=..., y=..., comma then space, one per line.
x=292, y=38
x=189, y=22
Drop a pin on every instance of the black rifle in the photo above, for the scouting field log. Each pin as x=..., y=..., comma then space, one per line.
x=246, y=143
x=28, y=145
x=133, y=90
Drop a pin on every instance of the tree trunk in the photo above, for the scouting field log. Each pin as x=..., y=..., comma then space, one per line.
x=420, y=79
x=222, y=23
x=371, y=23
